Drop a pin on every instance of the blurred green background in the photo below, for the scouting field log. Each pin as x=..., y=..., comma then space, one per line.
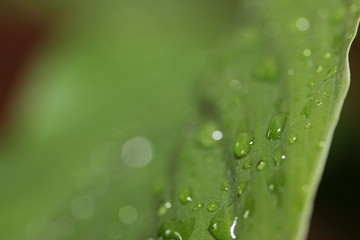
x=87, y=84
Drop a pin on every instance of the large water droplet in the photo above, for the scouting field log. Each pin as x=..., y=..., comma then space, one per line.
x=176, y=230
x=331, y=73
x=276, y=126
x=267, y=70
x=186, y=196
x=223, y=225
x=243, y=144
x=212, y=206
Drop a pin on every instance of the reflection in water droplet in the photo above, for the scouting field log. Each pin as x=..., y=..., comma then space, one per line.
x=164, y=208
x=261, y=165
x=223, y=225
x=212, y=206
x=198, y=206
x=243, y=144
x=246, y=165
x=302, y=24
x=186, y=196
x=176, y=230
x=292, y=139
x=331, y=73
x=128, y=214
x=137, y=152
x=276, y=126
x=279, y=157
x=83, y=207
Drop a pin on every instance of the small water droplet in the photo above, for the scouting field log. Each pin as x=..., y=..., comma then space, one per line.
x=208, y=134
x=212, y=206
x=276, y=126
x=292, y=139
x=279, y=157
x=350, y=35
x=318, y=102
x=267, y=70
x=197, y=207
x=186, y=196
x=241, y=188
x=331, y=73
x=261, y=165
x=302, y=24
x=243, y=144
x=307, y=52
x=246, y=165
x=176, y=230
x=319, y=69
x=271, y=187
x=164, y=208
x=327, y=55
x=223, y=225
x=307, y=124
x=246, y=213
x=225, y=186
x=322, y=144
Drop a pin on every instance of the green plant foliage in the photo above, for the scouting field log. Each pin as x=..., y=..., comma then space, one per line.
x=110, y=142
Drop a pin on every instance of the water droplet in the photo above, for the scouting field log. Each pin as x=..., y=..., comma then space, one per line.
x=261, y=165
x=307, y=124
x=127, y=214
x=307, y=108
x=208, y=134
x=302, y=24
x=271, y=187
x=276, y=126
x=197, y=207
x=243, y=144
x=292, y=139
x=246, y=165
x=331, y=73
x=225, y=187
x=322, y=144
x=307, y=52
x=319, y=69
x=241, y=188
x=267, y=70
x=246, y=213
x=327, y=55
x=83, y=207
x=176, y=230
x=164, y=208
x=223, y=225
x=318, y=102
x=137, y=152
x=212, y=206
x=279, y=157
x=185, y=196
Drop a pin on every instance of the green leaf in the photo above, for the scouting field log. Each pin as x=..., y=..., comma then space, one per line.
x=275, y=92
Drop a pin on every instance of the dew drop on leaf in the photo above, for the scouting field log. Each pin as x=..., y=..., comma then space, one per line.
x=208, y=134
x=307, y=52
x=176, y=230
x=261, y=165
x=279, y=157
x=243, y=144
x=164, y=208
x=292, y=139
x=197, y=207
x=276, y=126
x=223, y=225
x=241, y=188
x=331, y=73
x=327, y=55
x=319, y=69
x=212, y=206
x=246, y=165
x=186, y=196
x=302, y=24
